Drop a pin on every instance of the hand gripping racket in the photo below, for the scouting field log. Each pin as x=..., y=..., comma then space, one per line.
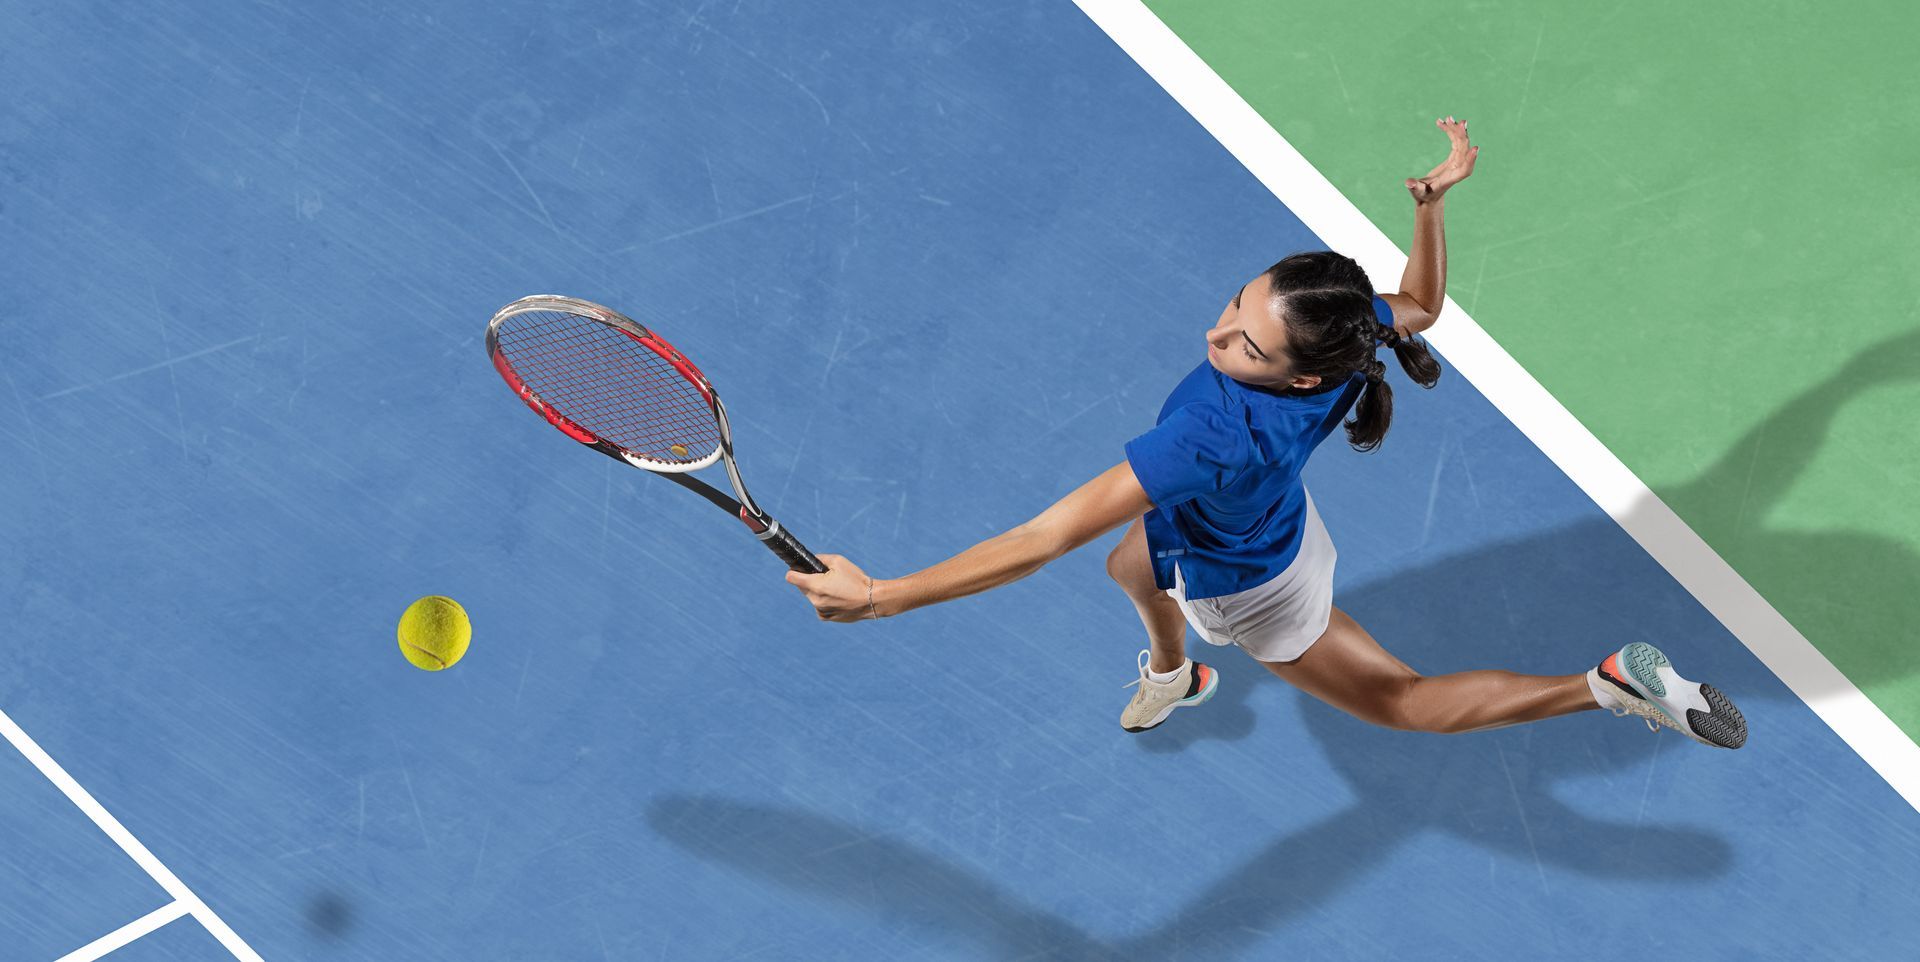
x=613, y=385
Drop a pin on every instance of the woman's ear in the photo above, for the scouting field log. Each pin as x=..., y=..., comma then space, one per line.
x=1304, y=382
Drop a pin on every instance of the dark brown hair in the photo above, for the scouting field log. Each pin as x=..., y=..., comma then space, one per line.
x=1327, y=302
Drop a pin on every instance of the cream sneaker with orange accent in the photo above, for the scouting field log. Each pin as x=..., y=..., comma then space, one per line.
x=1192, y=685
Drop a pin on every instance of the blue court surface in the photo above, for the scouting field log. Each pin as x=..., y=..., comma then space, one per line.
x=942, y=262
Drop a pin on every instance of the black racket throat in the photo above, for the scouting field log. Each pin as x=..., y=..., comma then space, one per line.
x=720, y=499
x=777, y=539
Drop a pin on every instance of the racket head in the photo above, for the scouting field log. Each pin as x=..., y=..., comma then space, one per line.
x=608, y=382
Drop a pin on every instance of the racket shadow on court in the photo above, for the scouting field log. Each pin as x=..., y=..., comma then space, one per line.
x=1542, y=603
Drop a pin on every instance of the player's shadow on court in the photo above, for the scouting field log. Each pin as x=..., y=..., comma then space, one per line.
x=1547, y=603
x=1501, y=791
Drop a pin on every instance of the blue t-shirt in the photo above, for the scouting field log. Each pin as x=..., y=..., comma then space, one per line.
x=1223, y=470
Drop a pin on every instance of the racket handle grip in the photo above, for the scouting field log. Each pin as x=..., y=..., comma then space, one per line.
x=782, y=542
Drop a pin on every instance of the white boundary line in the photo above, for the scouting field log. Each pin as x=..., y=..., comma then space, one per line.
x=128, y=844
x=125, y=933
x=1562, y=438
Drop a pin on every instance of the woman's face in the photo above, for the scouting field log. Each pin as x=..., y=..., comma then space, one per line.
x=1249, y=341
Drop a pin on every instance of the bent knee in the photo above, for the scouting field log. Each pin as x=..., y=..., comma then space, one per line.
x=1130, y=571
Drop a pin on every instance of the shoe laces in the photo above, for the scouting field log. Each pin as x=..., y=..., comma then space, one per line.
x=1623, y=712
x=1143, y=670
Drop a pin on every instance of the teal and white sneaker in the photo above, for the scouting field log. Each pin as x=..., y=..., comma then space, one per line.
x=1638, y=680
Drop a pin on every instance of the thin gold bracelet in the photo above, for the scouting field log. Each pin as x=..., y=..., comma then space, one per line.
x=875, y=612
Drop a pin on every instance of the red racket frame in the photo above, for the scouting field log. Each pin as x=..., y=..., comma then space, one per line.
x=777, y=539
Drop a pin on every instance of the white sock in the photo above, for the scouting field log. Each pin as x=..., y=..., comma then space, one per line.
x=1603, y=692
x=1164, y=677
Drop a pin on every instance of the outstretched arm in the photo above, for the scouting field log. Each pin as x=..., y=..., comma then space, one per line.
x=1095, y=508
x=1423, y=287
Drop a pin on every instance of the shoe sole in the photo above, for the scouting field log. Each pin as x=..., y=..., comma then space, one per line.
x=1198, y=698
x=1724, y=726
x=1721, y=726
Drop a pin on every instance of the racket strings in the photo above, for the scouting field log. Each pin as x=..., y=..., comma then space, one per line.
x=620, y=390
x=649, y=411
x=611, y=385
x=583, y=369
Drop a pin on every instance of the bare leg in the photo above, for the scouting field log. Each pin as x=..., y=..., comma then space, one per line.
x=1129, y=567
x=1347, y=669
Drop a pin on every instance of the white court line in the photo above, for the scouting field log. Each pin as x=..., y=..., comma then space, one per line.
x=123, y=838
x=1714, y=583
x=126, y=933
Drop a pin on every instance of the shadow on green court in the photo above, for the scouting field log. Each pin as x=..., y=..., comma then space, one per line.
x=1856, y=594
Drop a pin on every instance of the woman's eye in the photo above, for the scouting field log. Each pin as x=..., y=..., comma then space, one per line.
x=1248, y=352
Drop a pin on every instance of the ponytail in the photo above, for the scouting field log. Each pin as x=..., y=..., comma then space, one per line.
x=1373, y=413
x=1415, y=358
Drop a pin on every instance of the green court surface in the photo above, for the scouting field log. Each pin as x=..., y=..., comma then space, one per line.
x=1693, y=224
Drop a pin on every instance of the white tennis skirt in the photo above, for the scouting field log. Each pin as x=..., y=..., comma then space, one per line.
x=1279, y=619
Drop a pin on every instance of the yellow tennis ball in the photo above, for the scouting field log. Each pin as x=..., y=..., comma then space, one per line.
x=434, y=632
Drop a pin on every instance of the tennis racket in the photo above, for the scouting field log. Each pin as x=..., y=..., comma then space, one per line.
x=610, y=383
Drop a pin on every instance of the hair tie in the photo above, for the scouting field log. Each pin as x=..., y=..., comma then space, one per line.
x=1385, y=335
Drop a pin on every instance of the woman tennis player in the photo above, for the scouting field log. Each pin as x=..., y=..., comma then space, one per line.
x=1224, y=536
